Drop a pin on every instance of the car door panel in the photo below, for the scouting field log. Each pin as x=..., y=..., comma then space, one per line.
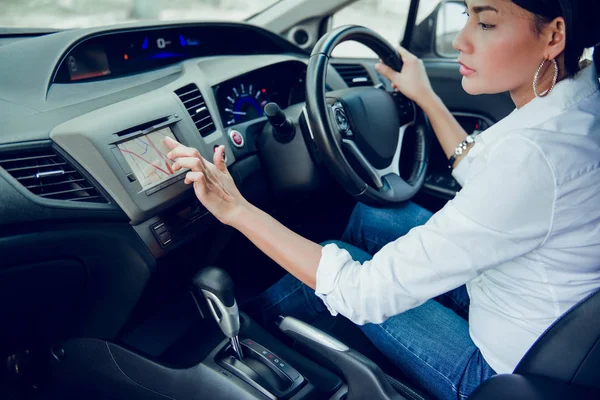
x=474, y=113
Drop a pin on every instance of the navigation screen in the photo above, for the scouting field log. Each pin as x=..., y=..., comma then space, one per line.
x=147, y=157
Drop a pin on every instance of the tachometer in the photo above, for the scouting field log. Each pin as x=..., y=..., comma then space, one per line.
x=244, y=102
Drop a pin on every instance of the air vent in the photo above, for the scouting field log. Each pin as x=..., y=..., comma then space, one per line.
x=194, y=103
x=354, y=74
x=48, y=174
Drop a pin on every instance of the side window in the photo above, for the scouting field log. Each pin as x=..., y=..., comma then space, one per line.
x=386, y=17
x=451, y=18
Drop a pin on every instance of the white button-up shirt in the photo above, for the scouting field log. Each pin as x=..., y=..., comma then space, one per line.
x=523, y=233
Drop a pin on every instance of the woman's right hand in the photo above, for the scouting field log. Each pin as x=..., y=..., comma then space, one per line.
x=213, y=184
x=412, y=80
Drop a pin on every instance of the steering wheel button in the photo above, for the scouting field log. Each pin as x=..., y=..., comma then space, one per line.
x=236, y=138
x=342, y=120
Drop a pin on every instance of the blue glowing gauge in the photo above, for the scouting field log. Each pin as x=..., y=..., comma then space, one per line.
x=244, y=102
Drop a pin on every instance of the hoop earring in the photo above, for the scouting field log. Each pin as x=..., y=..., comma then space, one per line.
x=536, y=79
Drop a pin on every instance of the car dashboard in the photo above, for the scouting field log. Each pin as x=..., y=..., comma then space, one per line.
x=90, y=206
x=85, y=112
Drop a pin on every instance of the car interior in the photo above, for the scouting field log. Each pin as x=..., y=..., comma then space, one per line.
x=115, y=281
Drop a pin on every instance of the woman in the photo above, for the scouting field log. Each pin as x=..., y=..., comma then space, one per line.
x=523, y=234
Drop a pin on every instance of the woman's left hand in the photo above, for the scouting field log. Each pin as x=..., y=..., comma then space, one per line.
x=412, y=80
x=213, y=184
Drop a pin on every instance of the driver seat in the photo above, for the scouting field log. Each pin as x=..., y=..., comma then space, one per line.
x=569, y=351
x=563, y=363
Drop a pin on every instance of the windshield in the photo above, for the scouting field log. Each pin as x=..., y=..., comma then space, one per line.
x=85, y=13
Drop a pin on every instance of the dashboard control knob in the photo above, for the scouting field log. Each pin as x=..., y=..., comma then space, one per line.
x=283, y=128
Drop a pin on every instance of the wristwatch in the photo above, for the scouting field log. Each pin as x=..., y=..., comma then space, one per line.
x=461, y=148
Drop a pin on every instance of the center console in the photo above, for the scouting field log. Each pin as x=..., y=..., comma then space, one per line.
x=263, y=370
x=251, y=362
x=127, y=156
x=122, y=147
x=190, y=359
x=201, y=347
x=183, y=352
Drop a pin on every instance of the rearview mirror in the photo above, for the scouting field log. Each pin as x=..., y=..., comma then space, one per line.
x=451, y=18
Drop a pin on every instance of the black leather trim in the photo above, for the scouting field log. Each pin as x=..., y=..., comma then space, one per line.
x=569, y=350
x=216, y=281
x=518, y=387
x=404, y=390
x=360, y=34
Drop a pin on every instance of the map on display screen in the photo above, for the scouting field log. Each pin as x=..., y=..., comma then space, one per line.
x=147, y=157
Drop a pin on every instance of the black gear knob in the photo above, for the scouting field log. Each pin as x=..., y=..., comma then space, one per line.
x=216, y=281
x=216, y=286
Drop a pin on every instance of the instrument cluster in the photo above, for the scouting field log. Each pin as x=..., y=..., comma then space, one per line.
x=243, y=98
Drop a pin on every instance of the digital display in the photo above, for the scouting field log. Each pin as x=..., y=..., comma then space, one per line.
x=147, y=157
x=88, y=62
x=164, y=45
x=118, y=54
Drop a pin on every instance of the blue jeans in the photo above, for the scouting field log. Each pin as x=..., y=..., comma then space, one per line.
x=431, y=343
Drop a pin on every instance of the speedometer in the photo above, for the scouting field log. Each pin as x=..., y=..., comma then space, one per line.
x=244, y=102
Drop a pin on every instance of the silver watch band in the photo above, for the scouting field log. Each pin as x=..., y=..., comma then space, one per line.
x=460, y=149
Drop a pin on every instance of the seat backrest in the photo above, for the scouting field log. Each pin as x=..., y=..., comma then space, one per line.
x=569, y=350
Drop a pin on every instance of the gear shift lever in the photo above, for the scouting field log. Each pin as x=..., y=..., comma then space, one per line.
x=216, y=286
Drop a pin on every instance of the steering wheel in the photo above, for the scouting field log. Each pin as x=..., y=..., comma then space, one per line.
x=359, y=132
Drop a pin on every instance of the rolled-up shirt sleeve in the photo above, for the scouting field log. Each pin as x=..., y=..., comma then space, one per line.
x=504, y=211
x=460, y=172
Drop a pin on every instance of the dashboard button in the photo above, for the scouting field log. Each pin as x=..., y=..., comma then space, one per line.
x=162, y=234
x=164, y=238
x=160, y=228
x=237, y=138
x=292, y=373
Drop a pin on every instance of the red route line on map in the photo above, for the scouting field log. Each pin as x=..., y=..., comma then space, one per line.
x=146, y=161
x=160, y=154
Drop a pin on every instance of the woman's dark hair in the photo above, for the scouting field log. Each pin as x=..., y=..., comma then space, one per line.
x=581, y=20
